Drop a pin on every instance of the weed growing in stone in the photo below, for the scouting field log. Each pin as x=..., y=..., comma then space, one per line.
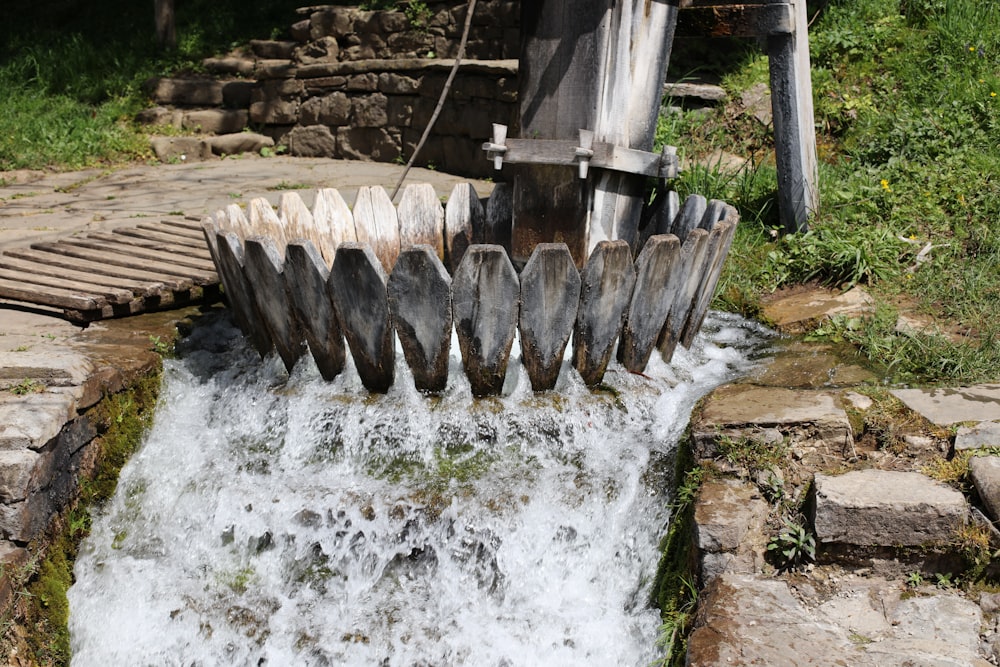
x=793, y=546
x=27, y=386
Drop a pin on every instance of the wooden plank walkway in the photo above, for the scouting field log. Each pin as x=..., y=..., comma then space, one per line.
x=101, y=275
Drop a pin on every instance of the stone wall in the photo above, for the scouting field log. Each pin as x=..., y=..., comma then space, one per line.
x=357, y=84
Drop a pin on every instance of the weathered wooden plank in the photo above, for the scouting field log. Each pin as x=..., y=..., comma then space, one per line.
x=550, y=206
x=421, y=218
x=484, y=300
x=264, y=269
x=296, y=218
x=191, y=265
x=706, y=291
x=98, y=267
x=138, y=233
x=200, y=252
x=658, y=218
x=376, y=224
x=609, y=156
x=176, y=229
x=188, y=223
x=794, y=122
x=689, y=217
x=685, y=281
x=90, y=290
x=715, y=211
x=186, y=277
x=550, y=295
x=49, y=296
x=307, y=277
x=606, y=289
x=265, y=222
x=735, y=19
x=358, y=285
x=420, y=303
x=334, y=222
x=101, y=280
x=233, y=219
x=651, y=299
x=464, y=215
x=499, y=217
x=240, y=293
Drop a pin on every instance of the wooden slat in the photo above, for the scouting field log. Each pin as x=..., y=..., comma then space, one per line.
x=49, y=296
x=550, y=295
x=464, y=214
x=651, y=300
x=421, y=218
x=499, y=217
x=714, y=211
x=306, y=270
x=420, y=303
x=233, y=219
x=689, y=217
x=195, y=265
x=41, y=268
x=607, y=281
x=100, y=268
x=240, y=293
x=263, y=269
x=376, y=224
x=188, y=224
x=200, y=252
x=265, y=222
x=358, y=285
x=162, y=240
x=707, y=290
x=684, y=285
x=334, y=221
x=174, y=234
x=109, y=294
x=186, y=277
x=562, y=152
x=296, y=218
x=484, y=301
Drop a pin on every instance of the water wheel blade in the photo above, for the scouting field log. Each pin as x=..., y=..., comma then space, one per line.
x=687, y=278
x=376, y=224
x=484, y=300
x=727, y=230
x=240, y=294
x=607, y=282
x=264, y=270
x=550, y=295
x=334, y=222
x=651, y=299
x=463, y=215
x=306, y=270
x=421, y=218
x=499, y=216
x=358, y=285
x=420, y=303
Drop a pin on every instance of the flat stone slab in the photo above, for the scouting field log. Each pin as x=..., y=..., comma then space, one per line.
x=802, y=311
x=798, y=364
x=30, y=421
x=813, y=421
x=885, y=508
x=951, y=406
x=985, y=474
x=750, y=620
x=51, y=367
x=983, y=434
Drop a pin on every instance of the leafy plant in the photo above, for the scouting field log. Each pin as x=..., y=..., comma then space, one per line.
x=793, y=546
x=27, y=386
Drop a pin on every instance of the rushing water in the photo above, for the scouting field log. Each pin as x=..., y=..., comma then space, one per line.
x=290, y=521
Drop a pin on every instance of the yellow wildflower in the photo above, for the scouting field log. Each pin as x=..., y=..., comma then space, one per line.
x=993, y=94
x=885, y=185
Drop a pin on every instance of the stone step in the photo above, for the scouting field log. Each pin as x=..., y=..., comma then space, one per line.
x=196, y=149
x=883, y=508
x=200, y=92
x=273, y=49
x=230, y=66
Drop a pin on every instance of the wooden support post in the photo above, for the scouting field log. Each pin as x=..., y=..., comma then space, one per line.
x=606, y=289
x=550, y=295
x=484, y=299
x=794, y=122
x=597, y=66
x=358, y=285
x=420, y=303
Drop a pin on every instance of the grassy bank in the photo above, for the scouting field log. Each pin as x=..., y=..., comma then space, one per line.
x=908, y=119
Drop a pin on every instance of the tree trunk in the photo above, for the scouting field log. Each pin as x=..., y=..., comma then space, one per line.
x=166, y=34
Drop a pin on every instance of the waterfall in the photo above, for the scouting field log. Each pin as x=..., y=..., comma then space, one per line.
x=283, y=520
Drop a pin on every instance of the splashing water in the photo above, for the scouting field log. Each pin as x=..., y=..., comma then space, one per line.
x=292, y=521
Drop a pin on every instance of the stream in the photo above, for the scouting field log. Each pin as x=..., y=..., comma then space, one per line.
x=282, y=520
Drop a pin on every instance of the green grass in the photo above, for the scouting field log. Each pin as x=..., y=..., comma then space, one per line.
x=72, y=72
x=907, y=98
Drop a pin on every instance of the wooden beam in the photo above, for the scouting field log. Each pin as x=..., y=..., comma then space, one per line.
x=736, y=20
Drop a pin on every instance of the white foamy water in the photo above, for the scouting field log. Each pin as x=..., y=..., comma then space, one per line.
x=290, y=521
